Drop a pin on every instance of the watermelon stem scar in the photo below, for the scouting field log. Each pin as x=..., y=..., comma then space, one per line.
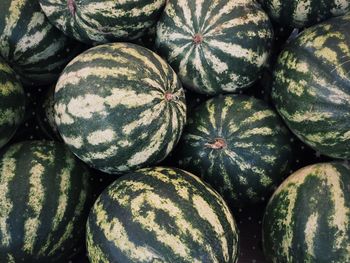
x=219, y=143
x=71, y=6
x=169, y=96
x=197, y=39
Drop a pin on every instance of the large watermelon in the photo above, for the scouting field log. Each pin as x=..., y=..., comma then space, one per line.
x=12, y=103
x=307, y=218
x=35, y=49
x=161, y=215
x=302, y=13
x=238, y=145
x=103, y=21
x=43, y=202
x=215, y=46
x=311, y=87
x=119, y=107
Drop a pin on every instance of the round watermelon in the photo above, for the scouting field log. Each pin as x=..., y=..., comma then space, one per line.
x=161, y=215
x=35, y=49
x=307, y=218
x=119, y=107
x=43, y=202
x=311, y=87
x=237, y=144
x=304, y=13
x=215, y=46
x=12, y=103
x=103, y=21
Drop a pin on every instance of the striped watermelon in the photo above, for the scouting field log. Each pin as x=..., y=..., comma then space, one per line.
x=307, y=218
x=311, y=88
x=119, y=107
x=43, y=202
x=215, y=46
x=103, y=21
x=12, y=103
x=35, y=49
x=303, y=13
x=238, y=145
x=161, y=215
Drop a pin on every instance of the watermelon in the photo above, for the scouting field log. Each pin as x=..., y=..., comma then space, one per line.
x=238, y=145
x=103, y=21
x=119, y=107
x=304, y=13
x=12, y=103
x=215, y=46
x=307, y=218
x=35, y=49
x=311, y=87
x=161, y=215
x=44, y=202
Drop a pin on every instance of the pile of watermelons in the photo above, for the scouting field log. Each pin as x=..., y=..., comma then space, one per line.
x=176, y=131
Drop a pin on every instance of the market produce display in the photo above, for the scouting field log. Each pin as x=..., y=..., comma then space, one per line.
x=103, y=21
x=311, y=88
x=161, y=215
x=12, y=105
x=174, y=131
x=119, y=107
x=35, y=49
x=239, y=145
x=196, y=39
x=44, y=193
x=307, y=219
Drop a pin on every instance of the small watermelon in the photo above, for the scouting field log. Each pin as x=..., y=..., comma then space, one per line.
x=237, y=144
x=103, y=21
x=307, y=218
x=119, y=107
x=12, y=103
x=44, y=193
x=215, y=46
x=161, y=215
x=311, y=87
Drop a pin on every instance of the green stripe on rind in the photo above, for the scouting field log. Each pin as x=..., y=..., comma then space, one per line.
x=36, y=224
x=256, y=153
x=220, y=63
x=311, y=87
x=161, y=215
x=293, y=13
x=135, y=84
x=307, y=218
x=102, y=22
x=11, y=103
x=35, y=49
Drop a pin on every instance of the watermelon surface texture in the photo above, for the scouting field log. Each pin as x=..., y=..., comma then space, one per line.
x=304, y=13
x=307, y=218
x=119, y=107
x=12, y=103
x=35, y=49
x=311, y=87
x=238, y=145
x=215, y=46
x=43, y=202
x=103, y=21
x=161, y=215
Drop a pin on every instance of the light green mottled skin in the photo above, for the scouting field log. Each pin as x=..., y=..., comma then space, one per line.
x=119, y=107
x=12, y=104
x=304, y=13
x=103, y=21
x=35, y=49
x=311, y=88
x=215, y=46
x=308, y=217
x=237, y=144
x=161, y=215
x=44, y=199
